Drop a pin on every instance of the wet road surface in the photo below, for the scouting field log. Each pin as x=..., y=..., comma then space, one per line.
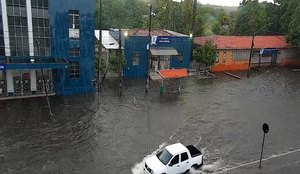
x=109, y=134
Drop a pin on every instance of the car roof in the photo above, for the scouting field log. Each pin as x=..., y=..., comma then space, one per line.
x=176, y=148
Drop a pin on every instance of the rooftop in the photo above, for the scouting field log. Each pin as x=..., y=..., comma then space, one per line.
x=175, y=148
x=142, y=32
x=107, y=40
x=244, y=42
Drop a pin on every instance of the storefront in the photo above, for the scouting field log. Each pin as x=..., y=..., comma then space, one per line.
x=27, y=79
x=167, y=50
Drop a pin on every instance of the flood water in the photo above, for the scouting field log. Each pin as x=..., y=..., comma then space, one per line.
x=105, y=133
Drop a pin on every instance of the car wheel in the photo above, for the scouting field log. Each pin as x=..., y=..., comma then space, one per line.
x=187, y=171
x=195, y=166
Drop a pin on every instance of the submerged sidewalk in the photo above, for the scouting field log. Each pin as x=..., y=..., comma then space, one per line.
x=283, y=163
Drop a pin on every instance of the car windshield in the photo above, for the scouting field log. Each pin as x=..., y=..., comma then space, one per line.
x=164, y=156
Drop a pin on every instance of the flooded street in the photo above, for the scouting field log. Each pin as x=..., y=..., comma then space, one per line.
x=108, y=134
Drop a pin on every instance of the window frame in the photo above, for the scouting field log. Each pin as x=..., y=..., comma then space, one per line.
x=74, y=19
x=74, y=52
x=224, y=56
x=136, y=59
x=171, y=161
x=217, y=57
x=74, y=70
x=187, y=156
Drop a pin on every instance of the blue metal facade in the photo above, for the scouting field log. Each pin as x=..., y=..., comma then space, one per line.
x=138, y=44
x=61, y=44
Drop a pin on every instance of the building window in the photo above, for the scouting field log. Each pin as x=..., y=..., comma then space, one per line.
x=224, y=58
x=74, y=70
x=136, y=59
x=74, y=24
x=41, y=27
x=240, y=55
x=180, y=57
x=74, y=52
x=217, y=58
x=18, y=27
x=73, y=19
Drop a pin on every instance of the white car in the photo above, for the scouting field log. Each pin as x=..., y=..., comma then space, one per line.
x=174, y=159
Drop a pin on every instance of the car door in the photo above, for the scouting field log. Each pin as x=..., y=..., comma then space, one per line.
x=184, y=162
x=173, y=166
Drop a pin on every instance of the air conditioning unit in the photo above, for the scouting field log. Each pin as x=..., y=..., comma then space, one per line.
x=74, y=33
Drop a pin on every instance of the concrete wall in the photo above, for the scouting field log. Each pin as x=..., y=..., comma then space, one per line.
x=285, y=57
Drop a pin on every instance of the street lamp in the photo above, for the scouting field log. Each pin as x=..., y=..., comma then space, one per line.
x=126, y=33
x=251, y=50
x=149, y=37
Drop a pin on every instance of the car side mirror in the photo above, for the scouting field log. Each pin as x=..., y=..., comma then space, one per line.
x=170, y=164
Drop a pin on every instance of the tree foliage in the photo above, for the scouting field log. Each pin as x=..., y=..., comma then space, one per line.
x=290, y=21
x=206, y=54
x=252, y=16
x=282, y=17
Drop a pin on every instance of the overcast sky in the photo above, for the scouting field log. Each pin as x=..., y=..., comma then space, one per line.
x=225, y=2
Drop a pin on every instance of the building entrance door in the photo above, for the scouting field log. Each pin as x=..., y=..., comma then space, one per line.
x=165, y=62
x=17, y=85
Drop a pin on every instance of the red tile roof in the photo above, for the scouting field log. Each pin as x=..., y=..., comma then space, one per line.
x=244, y=42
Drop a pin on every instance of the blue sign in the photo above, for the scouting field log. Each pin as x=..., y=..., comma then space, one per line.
x=161, y=40
x=2, y=67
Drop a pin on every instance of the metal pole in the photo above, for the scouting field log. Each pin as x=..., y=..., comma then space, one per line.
x=262, y=149
x=100, y=45
x=252, y=45
x=250, y=57
x=44, y=83
x=149, y=36
x=120, y=62
x=194, y=16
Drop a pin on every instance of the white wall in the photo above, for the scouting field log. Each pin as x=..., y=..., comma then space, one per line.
x=10, y=82
x=33, y=80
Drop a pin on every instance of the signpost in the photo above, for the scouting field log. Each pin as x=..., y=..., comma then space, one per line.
x=265, y=129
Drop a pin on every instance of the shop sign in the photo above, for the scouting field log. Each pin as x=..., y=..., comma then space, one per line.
x=2, y=67
x=160, y=40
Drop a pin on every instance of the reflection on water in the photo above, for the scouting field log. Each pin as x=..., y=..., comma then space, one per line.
x=108, y=134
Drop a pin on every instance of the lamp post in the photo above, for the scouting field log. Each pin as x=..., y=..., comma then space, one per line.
x=251, y=50
x=100, y=46
x=149, y=37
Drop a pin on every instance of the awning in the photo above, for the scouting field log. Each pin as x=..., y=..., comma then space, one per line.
x=11, y=63
x=12, y=66
x=163, y=51
x=173, y=73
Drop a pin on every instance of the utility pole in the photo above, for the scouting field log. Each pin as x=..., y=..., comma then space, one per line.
x=100, y=45
x=251, y=50
x=251, y=55
x=194, y=16
x=44, y=81
x=120, y=62
x=149, y=56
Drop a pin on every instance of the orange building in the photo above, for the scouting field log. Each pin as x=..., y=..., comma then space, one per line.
x=233, y=52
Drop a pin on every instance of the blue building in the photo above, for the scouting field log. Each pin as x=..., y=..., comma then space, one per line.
x=168, y=50
x=46, y=43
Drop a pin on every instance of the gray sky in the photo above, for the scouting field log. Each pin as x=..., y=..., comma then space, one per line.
x=225, y=2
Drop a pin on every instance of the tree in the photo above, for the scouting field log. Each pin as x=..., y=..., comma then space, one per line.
x=187, y=13
x=251, y=17
x=206, y=54
x=294, y=28
x=224, y=24
x=289, y=20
